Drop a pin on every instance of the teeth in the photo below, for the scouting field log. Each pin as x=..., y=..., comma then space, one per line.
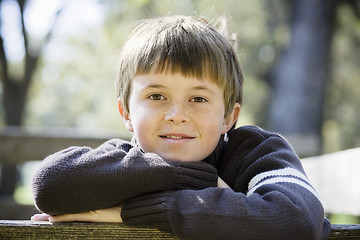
x=174, y=137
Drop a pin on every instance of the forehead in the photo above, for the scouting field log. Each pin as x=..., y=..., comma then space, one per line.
x=177, y=82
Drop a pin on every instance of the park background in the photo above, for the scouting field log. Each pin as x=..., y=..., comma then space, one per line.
x=300, y=60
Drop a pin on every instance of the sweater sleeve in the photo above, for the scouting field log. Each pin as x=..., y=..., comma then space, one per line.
x=81, y=179
x=271, y=198
x=216, y=213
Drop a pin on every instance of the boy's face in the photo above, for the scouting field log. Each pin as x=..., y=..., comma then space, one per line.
x=179, y=118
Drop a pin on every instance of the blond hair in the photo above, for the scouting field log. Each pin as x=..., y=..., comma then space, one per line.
x=180, y=44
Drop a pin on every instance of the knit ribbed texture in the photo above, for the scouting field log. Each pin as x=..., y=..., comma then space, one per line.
x=147, y=210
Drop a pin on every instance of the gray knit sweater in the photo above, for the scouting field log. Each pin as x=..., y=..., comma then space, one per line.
x=270, y=195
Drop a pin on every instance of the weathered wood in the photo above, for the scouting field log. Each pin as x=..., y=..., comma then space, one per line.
x=76, y=230
x=345, y=231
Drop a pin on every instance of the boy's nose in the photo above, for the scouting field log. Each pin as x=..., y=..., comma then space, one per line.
x=177, y=114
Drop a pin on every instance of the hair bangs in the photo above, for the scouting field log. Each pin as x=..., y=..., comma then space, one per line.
x=179, y=48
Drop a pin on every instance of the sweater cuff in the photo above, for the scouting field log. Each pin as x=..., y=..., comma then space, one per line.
x=194, y=175
x=147, y=210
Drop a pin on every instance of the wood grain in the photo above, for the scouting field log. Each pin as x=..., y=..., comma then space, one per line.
x=76, y=230
x=10, y=229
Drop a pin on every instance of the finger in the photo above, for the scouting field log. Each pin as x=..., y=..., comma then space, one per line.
x=40, y=217
x=63, y=218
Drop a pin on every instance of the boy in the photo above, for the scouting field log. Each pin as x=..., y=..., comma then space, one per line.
x=180, y=94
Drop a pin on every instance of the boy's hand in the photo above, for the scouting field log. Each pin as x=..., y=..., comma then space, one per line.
x=222, y=184
x=102, y=215
x=40, y=217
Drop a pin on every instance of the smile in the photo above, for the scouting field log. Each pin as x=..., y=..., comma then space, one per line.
x=176, y=137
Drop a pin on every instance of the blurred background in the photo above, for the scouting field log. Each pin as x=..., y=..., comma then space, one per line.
x=58, y=62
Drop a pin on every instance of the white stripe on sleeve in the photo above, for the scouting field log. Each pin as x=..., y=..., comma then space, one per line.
x=285, y=175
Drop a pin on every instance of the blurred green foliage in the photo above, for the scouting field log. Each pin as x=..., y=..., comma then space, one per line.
x=344, y=219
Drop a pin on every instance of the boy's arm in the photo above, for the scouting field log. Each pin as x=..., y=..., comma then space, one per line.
x=112, y=214
x=80, y=179
x=275, y=204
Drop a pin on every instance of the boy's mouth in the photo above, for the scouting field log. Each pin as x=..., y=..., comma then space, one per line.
x=176, y=136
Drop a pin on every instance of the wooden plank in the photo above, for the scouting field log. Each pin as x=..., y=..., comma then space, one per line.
x=77, y=230
x=18, y=145
x=345, y=231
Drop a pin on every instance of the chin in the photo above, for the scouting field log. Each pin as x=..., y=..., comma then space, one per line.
x=181, y=159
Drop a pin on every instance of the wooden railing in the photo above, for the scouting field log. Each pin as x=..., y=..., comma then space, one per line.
x=75, y=230
x=19, y=145
x=47, y=230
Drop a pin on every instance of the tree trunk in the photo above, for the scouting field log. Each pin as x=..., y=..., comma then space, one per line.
x=15, y=94
x=300, y=78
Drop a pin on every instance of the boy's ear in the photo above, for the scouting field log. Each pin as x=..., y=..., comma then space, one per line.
x=230, y=120
x=125, y=116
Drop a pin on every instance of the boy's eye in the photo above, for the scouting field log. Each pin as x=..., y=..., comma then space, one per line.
x=156, y=97
x=198, y=99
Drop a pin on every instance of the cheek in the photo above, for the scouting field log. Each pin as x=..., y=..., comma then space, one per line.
x=141, y=121
x=213, y=121
x=144, y=124
x=211, y=132
x=143, y=133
